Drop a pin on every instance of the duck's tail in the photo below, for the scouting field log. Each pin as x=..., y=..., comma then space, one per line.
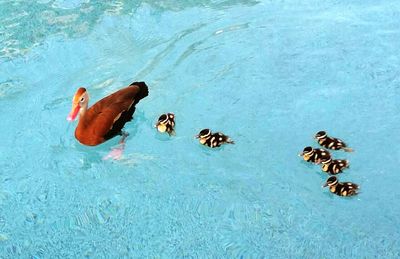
x=144, y=90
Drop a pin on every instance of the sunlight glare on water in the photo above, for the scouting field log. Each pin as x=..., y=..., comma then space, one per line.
x=270, y=74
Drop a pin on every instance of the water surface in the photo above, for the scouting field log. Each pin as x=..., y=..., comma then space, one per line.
x=268, y=73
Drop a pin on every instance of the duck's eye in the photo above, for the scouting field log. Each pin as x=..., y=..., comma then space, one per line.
x=82, y=99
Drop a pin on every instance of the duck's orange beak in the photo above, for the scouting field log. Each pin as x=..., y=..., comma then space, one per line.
x=74, y=112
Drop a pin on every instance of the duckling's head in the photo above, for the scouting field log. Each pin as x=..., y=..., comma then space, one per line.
x=307, y=151
x=204, y=133
x=331, y=181
x=320, y=135
x=327, y=161
x=163, y=119
x=161, y=123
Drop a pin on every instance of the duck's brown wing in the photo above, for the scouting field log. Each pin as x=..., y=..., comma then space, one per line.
x=109, y=115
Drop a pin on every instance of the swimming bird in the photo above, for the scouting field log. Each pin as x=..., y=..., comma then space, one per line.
x=166, y=123
x=330, y=142
x=106, y=118
x=213, y=140
x=341, y=189
x=315, y=155
x=334, y=166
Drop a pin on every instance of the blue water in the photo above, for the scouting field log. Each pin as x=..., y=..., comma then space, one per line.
x=268, y=73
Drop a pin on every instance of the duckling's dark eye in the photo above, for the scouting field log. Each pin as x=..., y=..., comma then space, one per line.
x=82, y=99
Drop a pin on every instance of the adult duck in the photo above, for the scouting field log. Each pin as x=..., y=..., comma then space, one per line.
x=106, y=118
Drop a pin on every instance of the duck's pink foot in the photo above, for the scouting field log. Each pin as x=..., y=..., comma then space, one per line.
x=116, y=152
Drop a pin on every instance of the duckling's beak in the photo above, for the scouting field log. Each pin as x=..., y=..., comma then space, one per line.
x=301, y=154
x=326, y=184
x=197, y=136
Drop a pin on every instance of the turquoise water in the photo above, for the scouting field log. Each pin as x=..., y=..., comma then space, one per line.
x=268, y=73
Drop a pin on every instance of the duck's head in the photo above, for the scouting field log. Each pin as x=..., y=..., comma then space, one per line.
x=320, y=134
x=331, y=181
x=79, y=103
x=204, y=133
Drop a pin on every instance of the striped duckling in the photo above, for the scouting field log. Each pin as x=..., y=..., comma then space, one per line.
x=316, y=155
x=334, y=166
x=166, y=123
x=341, y=189
x=331, y=143
x=212, y=140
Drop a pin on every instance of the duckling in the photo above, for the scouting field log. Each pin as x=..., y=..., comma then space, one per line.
x=334, y=166
x=212, y=140
x=316, y=155
x=166, y=123
x=341, y=189
x=330, y=142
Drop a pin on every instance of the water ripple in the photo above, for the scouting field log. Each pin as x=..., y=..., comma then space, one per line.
x=11, y=88
x=25, y=24
x=168, y=49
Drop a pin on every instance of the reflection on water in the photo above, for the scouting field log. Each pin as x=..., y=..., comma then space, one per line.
x=25, y=24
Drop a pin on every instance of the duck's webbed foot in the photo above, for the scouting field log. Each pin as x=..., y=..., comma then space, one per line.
x=116, y=152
